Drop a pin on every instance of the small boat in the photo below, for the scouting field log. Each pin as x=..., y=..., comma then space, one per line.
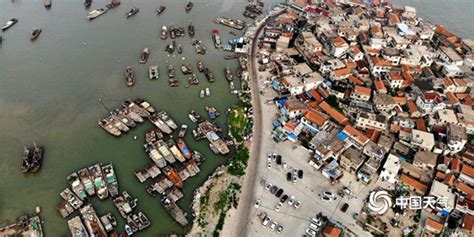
x=99, y=182
x=132, y=12
x=200, y=66
x=111, y=179
x=128, y=230
x=167, y=119
x=153, y=72
x=183, y=130
x=212, y=112
x=106, y=222
x=107, y=126
x=172, y=32
x=129, y=76
x=202, y=94
x=173, y=82
x=171, y=47
x=177, y=213
x=47, y=3
x=171, y=71
x=129, y=199
x=179, y=48
x=189, y=6
x=184, y=149
x=143, y=220
x=195, y=117
x=9, y=24
x=161, y=9
x=145, y=55
x=228, y=74
x=216, y=38
x=87, y=3
x=193, y=80
x=213, y=149
x=164, y=32
x=123, y=207
x=144, y=104
x=122, y=118
x=113, y=4
x=118, y=124
x=71, y=198
x=231, y=85
x=96, y=13
x=86, y=180
x=184, y=69
x=176, y=152
x=208, y=91
x=209, y=75
x=159, y=123
x=131, y=114
x=76, y=185
x=191, y=30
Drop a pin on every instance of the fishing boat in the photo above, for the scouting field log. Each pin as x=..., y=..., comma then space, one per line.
x=184, y=69
x=99, y=183
x=76, y=227
x=202, y=94
x=111, y=179
x=174, y=211
x=129, y=76
x=113, y=4
x=128, y=230
x=200, y=66
x=213, y=149
x=47, y=3
x=216, y=38
x=107, y=126
x=9, y=24
x=122, y=206
x=118, y=124
x=193, y=80
x=92, y=221
x=145, y=55
x=236, y=24
x=96, y=13
x=86, y=180
x=32, y=158
x=167, y=119
x=143, y=220
x=156, y=156
x=132, y=223
x=228, y=74
x=209, y=75
x=164, y=32
x=132, y=12
x=217, y=143
x=231, y=85
x=35, y=34
x=173, y=176
x=184, y=148
x=163, y=148
x=183, y=130
x=212, y=112
x=153, y=72
x=175, y=151
x=189, y=6
x=170, y=47
x=161, y=9
x=128, y=103
x=71, y=198
x=106, y=222
x=191, y=29
x=179, y=49
x=155, y=119
x=87, y=3
x=171, y=71
x=76, y=185
x=173, y=82
x=195, y=117
x=129, y=113
x=208, y=91
x=122, y=118
x=145, y=105
x=129, y=199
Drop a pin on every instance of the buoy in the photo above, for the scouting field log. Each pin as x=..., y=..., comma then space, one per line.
x=38, y=209
x=134, y=137
x=84, y=44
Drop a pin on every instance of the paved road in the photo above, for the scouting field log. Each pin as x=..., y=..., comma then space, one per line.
x=247, y=201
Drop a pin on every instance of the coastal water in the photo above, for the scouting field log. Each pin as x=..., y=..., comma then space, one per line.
x=49, y=91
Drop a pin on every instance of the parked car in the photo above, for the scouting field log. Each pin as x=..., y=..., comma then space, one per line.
x=310, y=232
x=288, y=176
x=344, y=207
x=269, y=157
x=316, y=221
x=273, y=226
x=269, y=164
x=313, y=227
x=297, y=204
x=257, y=203
x=279, y=229
x=294, y=179
x=278, y=207
x=284, y=198
x=279, y=193
x=274, y=156
x=274, y=189
x=285, y=165
x=291, y=201
x=300, y=174
x=265, y=221
x=278, y=159
x=326, y=199
x=269, y=185
x=328, y=194
x=347, y=191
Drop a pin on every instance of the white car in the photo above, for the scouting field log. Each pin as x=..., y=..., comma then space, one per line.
x=310, y=232
x=274, y=156
x=279, y=229
x=328, y=194
x=278, y=207
x=257, y=203
x=265, y=221
x=291, y=201
x=297, y=204
x=326, y=199
x=294, y=179
x=313, y=227
x=273, y=226
x=316, y=221
x=285, y=165
x=269, y=164
x=269, y=157
x=269, y=185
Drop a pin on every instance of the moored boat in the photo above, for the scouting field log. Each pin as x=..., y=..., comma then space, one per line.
x=179, y=49
x=209, y=75
x=144, y=220
x=9, y=24
x=129, y=113
x=99, y=183
x=153, y=72
x=111, y=179
x=202, y=94
x=176, y=152
x=200, y=66
x=161, y=9
x=86, y=180
x=96, y=13
x=191, y=29
x=71, y=198
x=113, y=4
x=163, y=148
x=47, y=3
x=145, y=55
x=189, y=6
x=128, y=103
x=183, y=130
x=129, y=76
x=156, y=156
x=216, y=38
x=173, y=82
x=132, y=12
x=107, y=125
x=184, y=148
x=155, y=119
x=171, y=71
x=174, y=211
x=144, y=104
x=228, y=74
x=164, y=32
x=76, y=185
x=173, y=176
x=87, y=3
x=208, y=91
x=122, y=206
x=129, y=199
x=35, y=34
x=76, y=227
x=118, y=124
x=193, y=80
x=122, y=118
x=212, y=112
x=93, y=224
x=167, y=119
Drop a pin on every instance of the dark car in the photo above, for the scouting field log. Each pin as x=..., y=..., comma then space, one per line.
x=344, y=207
x=284, y=198
x=300, y=174
x=279, y=193
x=278, y=159
x=273, y=189
x=288, y=176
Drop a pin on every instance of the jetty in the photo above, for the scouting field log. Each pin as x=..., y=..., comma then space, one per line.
x=236, y=24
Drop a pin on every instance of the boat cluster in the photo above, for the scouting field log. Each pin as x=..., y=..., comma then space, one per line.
x=32, y=158
x=101, y=181
x=122, y=119
x=253, y=10
x=209, y=130
x=232, y=23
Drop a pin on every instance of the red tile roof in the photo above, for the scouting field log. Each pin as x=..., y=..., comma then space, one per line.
x=420, y=124
x=468, y=223
x=379, y=85
x=363, y=90
x=343, y=71
x=355, y=134
x=315, y=118
x=332, y=231
x=413, y=183
x=340, y=118
x=468, y=170
x=434, y=224
x=355, y=80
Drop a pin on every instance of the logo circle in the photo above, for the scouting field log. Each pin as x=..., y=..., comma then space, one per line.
x=379, y=201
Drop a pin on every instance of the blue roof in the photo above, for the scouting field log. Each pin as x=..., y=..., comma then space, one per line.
x=292, y=136
x=405, y=29
x=342, y=136
x=282, y=101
